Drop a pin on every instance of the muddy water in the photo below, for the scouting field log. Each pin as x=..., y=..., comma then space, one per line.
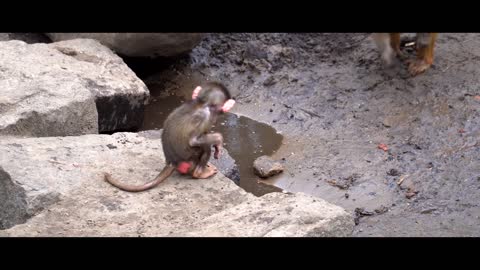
x=245, y=139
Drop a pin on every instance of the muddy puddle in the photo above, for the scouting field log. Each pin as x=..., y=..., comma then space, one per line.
x=356, y=104
x=245, y=139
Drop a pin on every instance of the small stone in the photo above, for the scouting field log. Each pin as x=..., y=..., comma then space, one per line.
x=269, y=81
x=382, y=209
x=265, y=167
x=393, y=172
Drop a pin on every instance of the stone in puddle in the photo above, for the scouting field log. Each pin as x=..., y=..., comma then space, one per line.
x=265, y=167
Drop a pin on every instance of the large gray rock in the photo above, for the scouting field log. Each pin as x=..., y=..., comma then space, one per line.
x=276, y=215
x=37, y=172
x=67, y=88
x=140, y=44
x=38, y=97
x=59, y=182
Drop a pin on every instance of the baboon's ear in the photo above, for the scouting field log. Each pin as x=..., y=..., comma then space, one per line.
x=196, y=91
x=228, y=105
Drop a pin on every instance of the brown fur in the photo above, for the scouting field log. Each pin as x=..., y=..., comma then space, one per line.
x=425, y=50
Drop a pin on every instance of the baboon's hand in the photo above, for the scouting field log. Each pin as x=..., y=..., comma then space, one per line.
x=216, y=154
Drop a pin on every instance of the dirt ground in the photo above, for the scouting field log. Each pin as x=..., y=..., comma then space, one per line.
x=334, y=102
